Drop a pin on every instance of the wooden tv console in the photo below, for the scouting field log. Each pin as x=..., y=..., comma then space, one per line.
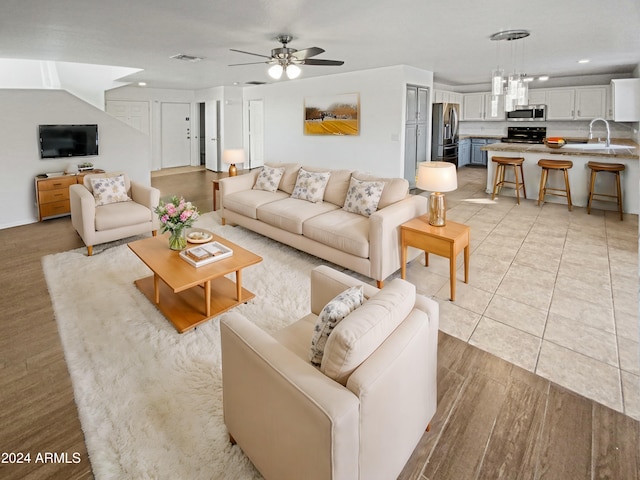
x=52, y=193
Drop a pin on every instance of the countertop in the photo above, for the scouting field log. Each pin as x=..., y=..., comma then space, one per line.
x=633, y=152
x=492, y=137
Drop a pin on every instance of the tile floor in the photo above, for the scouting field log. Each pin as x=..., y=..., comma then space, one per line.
x=553, y=291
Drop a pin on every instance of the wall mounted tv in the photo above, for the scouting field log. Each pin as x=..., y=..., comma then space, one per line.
x=58, y=141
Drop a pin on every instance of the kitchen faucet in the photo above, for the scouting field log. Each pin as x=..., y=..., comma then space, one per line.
x=608, y=131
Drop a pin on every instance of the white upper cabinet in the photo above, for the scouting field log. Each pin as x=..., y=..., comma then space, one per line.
x=625, y=99
x=561, y=103
x=445, y=96
x=538, y=97
x=591, y=102
x=473, y=106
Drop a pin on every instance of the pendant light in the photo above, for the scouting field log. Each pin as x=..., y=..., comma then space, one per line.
x=516, y=91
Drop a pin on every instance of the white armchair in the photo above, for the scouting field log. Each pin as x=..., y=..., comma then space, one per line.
x=113, y=221
x=362, y=413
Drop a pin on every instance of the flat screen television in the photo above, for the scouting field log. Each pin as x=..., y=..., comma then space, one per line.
x=58, y=141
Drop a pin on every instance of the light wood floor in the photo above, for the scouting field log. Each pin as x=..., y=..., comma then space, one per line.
x=494, y=420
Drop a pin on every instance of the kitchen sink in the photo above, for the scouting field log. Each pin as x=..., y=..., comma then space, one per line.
x=594, y=146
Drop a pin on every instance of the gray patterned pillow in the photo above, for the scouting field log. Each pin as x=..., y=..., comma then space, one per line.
x=109, y=190
x=363, y=197
x=332, y=314
x=310, y=185
x=269, y=179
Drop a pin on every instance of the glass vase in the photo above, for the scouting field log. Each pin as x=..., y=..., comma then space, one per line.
x=178, y=239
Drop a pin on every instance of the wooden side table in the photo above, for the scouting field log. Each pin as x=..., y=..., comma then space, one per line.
x=447, y=241
x=216, y=187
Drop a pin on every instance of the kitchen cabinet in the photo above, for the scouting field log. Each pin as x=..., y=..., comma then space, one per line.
x=478, y=157
x=473, y=106
x=480, y=106
x=561, y=103
x=625, y=99
x=464, y=152
x=591, y=102
x=538, y=97
x=444, y=96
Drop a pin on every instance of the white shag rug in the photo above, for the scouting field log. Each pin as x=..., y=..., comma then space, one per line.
x=150, y=399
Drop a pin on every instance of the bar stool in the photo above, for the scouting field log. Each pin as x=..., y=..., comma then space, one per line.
x=499, y=181
x=614, y=168
x=547, y=165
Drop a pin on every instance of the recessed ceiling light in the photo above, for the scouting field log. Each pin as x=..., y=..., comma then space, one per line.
x=142, y=84
x=543, y=78
x=584, y=60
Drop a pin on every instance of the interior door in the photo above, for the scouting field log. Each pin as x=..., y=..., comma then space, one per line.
x=256, y=133
x=176, y=134
x=416, y=131
x=212, y=113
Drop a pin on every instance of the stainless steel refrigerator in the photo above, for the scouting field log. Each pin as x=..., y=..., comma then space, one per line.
x=444, y=132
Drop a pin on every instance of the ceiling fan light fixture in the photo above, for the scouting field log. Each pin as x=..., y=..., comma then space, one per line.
x=293, y=71
x=275, y=71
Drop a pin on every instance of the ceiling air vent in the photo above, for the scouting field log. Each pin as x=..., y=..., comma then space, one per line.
x=187, y=58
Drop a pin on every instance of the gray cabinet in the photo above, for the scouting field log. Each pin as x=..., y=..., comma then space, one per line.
x=464, y=152
x=478, y=157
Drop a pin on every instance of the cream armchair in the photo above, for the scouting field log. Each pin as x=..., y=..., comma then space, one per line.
x=113, y=221
x=361, y=414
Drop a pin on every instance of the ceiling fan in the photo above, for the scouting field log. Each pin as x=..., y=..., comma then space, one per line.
x=287, y=59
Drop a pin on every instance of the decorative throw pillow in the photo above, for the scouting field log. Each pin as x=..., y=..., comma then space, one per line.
x=363, y=197
x=269, y=179
x=333, y=312
x=310, y=185
x=109, y=190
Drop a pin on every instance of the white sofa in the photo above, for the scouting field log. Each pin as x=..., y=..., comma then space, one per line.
x=357, y=417
x=366, y=245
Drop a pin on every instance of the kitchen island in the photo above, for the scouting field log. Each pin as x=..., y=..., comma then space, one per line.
x=578, y=175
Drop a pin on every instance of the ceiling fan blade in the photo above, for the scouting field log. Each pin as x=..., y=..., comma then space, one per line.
x=317, y=61
x=249, y=53
x=250, y=63
x=307, y=52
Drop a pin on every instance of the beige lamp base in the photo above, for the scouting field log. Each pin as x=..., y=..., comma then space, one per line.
x=437, y=210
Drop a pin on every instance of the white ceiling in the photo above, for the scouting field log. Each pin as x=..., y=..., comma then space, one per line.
x=448, y=37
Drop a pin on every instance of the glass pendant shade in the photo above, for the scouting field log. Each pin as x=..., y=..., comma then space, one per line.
x=275, y=71
x=293, y=71
x=497, y=78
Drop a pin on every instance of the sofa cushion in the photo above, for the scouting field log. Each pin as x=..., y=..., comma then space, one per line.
x=108, y=190
x=336, y=189
x=310, y=185
x=288, y=180
x=345, y=231
x=363, y=197
x=395, y=189
x=331, y=315
x=356, y=337
x=247, y=202
x=290, y=213
x=121, y=214
x=269, y=178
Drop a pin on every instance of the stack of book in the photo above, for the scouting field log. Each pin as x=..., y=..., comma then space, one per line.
x=205, y=254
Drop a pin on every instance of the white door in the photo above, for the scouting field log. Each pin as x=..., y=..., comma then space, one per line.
x=134, y=114
x=256, y=134
x=212, y=109
x=176, y=134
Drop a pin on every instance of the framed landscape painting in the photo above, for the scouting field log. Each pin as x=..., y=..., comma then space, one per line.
x=332, y=114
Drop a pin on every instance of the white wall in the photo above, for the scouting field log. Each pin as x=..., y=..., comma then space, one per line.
x=380, y=146
x=121, y=147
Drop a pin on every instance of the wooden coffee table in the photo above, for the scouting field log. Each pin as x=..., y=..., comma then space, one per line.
x=186, y=295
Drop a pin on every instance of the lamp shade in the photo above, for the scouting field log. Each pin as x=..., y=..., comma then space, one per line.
x=233, y=156
x=293, y=71
x=437, y=177
x=275, y=71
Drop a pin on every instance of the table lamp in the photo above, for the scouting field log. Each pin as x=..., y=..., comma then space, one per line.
x=437, y=177
x=232, y=157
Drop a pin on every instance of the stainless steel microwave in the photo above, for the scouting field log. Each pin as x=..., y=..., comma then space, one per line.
x=528, y=113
